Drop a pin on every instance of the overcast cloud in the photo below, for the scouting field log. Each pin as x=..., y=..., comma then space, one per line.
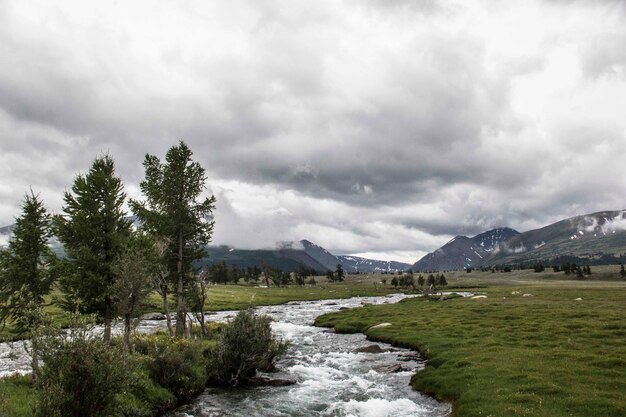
x=369, y=127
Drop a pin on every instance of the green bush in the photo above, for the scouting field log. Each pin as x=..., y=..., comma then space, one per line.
x=145, y=398
x=245, y=345
x=81, y=377
x=179, y=365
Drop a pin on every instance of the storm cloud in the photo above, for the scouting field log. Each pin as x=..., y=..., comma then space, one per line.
x=379, y=127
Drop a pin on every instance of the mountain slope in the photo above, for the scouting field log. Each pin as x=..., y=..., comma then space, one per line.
x=358, y=264
x=588, y=236
x=284, y=259
x=464, y=252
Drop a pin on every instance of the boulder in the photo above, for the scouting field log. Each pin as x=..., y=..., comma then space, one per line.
x=389, y=369
x=380, y=325
x=153, y=316
x=370, y=349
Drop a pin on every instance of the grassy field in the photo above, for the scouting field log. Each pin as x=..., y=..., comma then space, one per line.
x=236, y=297
x=505, y=355
x=543, y=354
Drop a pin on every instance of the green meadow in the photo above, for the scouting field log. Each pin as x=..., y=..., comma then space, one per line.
x=509, y=354
x=535, y=346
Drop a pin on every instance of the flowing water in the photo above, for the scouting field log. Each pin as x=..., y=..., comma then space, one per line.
x=331, y=378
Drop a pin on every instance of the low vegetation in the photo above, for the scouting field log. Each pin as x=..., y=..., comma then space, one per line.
x=83, y=376
x=527, y=349
x=245, y=346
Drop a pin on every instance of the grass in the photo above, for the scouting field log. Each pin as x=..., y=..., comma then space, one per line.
x=506, y=355
x=510, y=354
x=17, y=396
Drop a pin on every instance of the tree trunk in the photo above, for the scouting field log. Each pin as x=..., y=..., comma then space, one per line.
x=35, y=362
x=166, y=311
x=180, y=301
x=202, y=328
x=107, y=320
x=127, y=319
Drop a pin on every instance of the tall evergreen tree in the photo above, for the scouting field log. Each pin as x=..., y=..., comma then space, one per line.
x=339, y=272
x=94, y=231
x=173, y=209
x=26, y=269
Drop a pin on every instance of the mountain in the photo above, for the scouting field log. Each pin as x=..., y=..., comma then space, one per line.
x=598, y=237
x=318, y=253
x=290, y=256
x=589, y=237
x=286, y=259
x=357, y=264
x=464, y=252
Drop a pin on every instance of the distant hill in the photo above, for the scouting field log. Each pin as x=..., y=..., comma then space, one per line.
x=464, y=252
x=588, y=237
x=598, y=237
x=289, y=256
x=357, y=264
x=285, y=259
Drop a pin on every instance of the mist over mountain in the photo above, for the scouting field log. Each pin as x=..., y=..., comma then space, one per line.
x=597, y=237
x=594, y=238
x=290, y=256
x=590, y=236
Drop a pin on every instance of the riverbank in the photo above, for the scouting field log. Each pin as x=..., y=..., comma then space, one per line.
x=330, y=375
x=238, y=297
x=527, y=349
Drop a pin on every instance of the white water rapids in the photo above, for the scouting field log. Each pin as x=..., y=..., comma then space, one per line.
x=332, y=379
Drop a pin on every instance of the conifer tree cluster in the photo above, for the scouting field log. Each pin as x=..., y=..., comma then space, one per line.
x=110, y=264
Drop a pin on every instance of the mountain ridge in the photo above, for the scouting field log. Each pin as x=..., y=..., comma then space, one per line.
x=595, y=237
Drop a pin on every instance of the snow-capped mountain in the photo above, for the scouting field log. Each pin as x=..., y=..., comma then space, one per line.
x=464, y=252
x=590, y=237
x=357, y=264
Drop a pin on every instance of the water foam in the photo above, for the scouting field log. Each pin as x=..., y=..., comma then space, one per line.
x=376, y=407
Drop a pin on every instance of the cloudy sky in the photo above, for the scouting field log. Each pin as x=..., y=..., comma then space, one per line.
x=380, y=127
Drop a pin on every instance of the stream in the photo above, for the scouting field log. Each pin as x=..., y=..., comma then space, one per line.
x=332, y=379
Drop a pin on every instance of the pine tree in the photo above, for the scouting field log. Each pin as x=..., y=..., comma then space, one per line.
x=173, y=210
x=94, y=231
x=441, y=281
x=339, y=273
x=26, y=270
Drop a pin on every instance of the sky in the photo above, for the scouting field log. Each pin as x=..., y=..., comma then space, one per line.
x=380, y=128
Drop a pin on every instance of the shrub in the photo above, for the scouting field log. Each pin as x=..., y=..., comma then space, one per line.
x=245, y=345
x=81, y=377
x=145, y=397
x=179, y=365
